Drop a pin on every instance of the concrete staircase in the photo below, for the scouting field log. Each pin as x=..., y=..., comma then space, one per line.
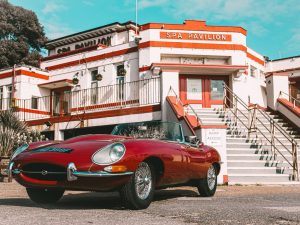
x=250, y=160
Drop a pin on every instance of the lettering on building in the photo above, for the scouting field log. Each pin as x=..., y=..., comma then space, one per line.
x=196, y=36
x=104, y=41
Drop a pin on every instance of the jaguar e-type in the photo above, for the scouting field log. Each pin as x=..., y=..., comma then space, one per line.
x=135, y=159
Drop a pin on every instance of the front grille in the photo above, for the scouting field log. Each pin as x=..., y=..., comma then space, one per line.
x=43, y=171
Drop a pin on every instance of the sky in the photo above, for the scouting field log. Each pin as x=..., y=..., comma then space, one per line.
x=273, y=25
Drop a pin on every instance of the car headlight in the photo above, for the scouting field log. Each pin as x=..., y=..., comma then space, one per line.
x=109, y=154
x=19, y=150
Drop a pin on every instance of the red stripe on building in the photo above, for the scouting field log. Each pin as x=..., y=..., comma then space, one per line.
x=95, y=115
x=256, y=59
x=25, y=73
x=93, y=58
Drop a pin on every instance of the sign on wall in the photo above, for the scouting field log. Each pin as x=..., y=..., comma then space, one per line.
x=196, y=36
x=100, y=40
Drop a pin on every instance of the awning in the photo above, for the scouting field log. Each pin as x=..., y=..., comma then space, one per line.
x=205, y=69
x=57, y=84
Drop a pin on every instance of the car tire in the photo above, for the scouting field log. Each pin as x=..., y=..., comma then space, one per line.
x=208, y=185
x=44, y=195
x=139, y=191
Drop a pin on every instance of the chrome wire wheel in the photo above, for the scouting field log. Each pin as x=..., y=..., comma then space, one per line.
x=211, y=177
x=143, y=181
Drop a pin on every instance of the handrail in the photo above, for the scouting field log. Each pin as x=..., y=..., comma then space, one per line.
x=183, y=105
x=252, y=127
x=290, y=98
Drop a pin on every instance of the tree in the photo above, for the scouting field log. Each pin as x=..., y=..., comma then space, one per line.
x=21, y=36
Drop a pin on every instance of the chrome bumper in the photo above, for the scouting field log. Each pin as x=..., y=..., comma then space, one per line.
x=10, y=171
x=72, y=173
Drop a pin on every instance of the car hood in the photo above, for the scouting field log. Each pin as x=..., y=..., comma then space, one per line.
x=79, y=151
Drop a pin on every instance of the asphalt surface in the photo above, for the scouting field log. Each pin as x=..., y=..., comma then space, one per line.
x=230, y=205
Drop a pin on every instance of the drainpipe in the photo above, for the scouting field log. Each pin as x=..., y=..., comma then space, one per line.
x=13, y=100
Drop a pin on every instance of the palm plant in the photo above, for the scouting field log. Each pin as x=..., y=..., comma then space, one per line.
x=14, y=133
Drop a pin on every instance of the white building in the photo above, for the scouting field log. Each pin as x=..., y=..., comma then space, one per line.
x=121, y=73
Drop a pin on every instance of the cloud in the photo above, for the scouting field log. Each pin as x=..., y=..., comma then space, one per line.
x=293, y=43
x=56, y=30
x=224, y=10
x=88, y=3
x=143, y=4
x=53, y=7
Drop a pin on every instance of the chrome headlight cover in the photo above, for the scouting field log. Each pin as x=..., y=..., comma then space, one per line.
x=109, y=154
x=19, y=150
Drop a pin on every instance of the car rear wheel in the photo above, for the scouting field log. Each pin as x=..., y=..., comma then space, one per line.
x=208, y=185
x=44, y=195
x=138, y=192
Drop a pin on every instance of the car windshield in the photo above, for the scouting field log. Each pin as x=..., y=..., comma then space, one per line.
x=151, y=130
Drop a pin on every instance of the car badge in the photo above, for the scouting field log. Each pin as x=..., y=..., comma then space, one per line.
x=44, y=172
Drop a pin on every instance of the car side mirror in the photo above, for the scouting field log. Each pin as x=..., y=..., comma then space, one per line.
x=192, y=139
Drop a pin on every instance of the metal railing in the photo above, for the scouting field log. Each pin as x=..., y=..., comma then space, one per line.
x=110, y=97
x=294, y=101
x=186, y=107
x=240, y=110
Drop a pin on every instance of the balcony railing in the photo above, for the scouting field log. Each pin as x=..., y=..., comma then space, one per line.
x=111, y=97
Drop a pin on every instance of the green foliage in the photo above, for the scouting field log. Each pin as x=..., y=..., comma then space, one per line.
x=21, y=36
x=14, y=133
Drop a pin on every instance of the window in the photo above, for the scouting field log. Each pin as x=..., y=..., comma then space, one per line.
x=1, y=98
x=9, y=96
x=194, y=89
x=34, y=102
x=252, y=71
x=121, y=72
x=94, y=86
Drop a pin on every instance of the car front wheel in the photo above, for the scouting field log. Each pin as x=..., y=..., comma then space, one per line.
x=44, y=195
x=138, y=192
x=208, y=185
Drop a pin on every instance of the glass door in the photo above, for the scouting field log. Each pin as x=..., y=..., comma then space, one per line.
x=205, y=91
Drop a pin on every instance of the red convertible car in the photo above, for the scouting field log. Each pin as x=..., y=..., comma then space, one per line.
x=135, y=160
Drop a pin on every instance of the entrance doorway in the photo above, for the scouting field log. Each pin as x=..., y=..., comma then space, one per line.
x=205, y=91
x=61, y=101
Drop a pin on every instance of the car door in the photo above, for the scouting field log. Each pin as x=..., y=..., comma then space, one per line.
x=174, y=163
x=195, y=160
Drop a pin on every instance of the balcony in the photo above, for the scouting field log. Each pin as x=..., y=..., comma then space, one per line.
x=77, y=103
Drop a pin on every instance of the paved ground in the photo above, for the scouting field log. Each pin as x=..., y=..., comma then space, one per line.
x=231, y=205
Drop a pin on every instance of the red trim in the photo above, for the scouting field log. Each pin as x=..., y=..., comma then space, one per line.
x=190, y=120
x=35, y=111
x=174, y=44
x=24, y=73
x=256, y=59
x=194, y=25
x=104, y=105
x=57, y=81
x=289, y=106
x=144, y=68
x=93, y=58
x=72, y=52
x=95, y=115
x=206, y=66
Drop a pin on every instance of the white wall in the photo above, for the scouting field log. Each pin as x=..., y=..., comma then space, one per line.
x=275, y=84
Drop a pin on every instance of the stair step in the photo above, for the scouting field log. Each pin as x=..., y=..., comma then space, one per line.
x=258, y=170
x=258, y=178
x=256, y=163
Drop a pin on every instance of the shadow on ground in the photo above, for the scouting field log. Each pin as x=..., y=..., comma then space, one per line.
x=93, y=200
